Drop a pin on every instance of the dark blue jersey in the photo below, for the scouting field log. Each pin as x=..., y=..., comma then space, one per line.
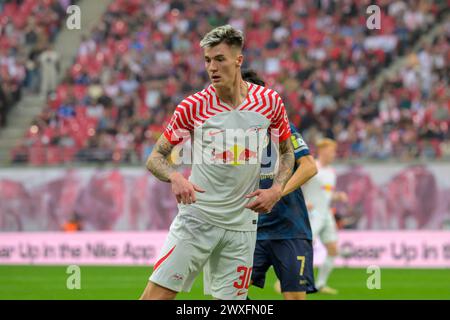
x=289, y=217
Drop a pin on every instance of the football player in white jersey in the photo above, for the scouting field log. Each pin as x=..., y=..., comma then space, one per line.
x=218, y=205
x=319, y=193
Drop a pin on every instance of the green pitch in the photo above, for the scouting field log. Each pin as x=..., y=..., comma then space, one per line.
x=49, y=282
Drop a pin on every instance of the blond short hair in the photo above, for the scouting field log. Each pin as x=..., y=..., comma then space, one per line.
x=325, y=142
x=227, y=34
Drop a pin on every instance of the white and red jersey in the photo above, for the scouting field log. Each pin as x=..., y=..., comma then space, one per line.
x=319, y=190
x=227, y=149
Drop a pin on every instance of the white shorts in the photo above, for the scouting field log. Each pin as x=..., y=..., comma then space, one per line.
x=323, y=226
x=193, y=244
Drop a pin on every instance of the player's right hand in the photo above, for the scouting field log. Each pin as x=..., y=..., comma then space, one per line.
x=183, y=189
x=265, y=199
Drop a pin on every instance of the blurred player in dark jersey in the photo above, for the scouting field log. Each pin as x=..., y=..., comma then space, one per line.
x=284, y=237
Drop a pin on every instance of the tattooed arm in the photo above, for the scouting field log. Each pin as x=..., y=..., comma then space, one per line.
x=158, y=164
x=287, y=160
x=267, y=198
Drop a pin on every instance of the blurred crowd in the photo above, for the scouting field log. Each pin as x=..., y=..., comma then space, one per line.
x=143, y=58
x=408, y=117
x=27, y=29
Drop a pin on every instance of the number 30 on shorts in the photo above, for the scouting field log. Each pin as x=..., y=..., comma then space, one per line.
x=244, y=279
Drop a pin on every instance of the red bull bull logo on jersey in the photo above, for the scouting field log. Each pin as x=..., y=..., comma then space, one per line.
x=236, y=155
x=223, y=146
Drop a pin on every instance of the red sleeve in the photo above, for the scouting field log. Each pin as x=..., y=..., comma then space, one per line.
x=181, y=123
x=279, y=126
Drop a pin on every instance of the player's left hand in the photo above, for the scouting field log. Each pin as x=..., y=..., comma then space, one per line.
x=266, y=199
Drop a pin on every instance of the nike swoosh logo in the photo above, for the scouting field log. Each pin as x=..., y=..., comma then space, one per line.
x=211, y=134
x=241, y=292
